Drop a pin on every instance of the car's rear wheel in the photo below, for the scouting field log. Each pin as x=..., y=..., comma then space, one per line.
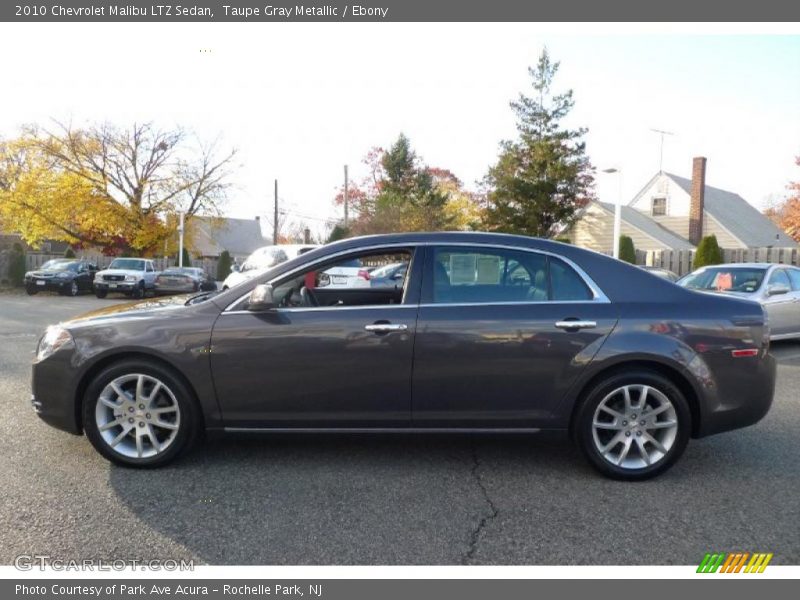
x=633, y=425
x=139, y=414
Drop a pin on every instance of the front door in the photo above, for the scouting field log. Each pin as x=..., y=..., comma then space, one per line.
x=326, y=357
x=501, y=336
x=782, y=310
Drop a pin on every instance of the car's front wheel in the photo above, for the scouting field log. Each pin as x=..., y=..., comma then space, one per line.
x=100, y=293
x=633, y=425
x=139, y=414
x=31, y=290
x=138, y=291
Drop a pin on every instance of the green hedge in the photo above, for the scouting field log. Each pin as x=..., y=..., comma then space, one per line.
x=708, y=253
x=627, y=252
x=224, y=265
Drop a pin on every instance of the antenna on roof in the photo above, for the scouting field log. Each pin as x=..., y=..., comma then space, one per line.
x=662, y=133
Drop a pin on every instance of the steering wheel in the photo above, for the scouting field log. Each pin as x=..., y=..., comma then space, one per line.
x=307, y=297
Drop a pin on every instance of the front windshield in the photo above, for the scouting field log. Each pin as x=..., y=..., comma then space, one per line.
x=129, y=264
x=725, y=279
x=59, y=265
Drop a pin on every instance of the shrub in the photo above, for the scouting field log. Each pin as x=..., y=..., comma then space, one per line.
x=69, y=253
x=16, y=266
x=563, y=240
x=708, y=252
x=187, y=258
x=224, y=265
x=627, y=252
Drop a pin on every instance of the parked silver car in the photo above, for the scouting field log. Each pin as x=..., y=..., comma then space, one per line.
x=776, y=287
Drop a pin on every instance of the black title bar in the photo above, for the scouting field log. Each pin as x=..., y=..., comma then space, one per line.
x=404, y=10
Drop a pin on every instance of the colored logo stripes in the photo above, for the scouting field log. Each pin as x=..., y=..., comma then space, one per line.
x=734, y=562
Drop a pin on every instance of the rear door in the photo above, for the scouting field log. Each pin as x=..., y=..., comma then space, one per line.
x=501, y=336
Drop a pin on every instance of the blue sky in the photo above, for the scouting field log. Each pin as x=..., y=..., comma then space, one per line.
x=301, y=100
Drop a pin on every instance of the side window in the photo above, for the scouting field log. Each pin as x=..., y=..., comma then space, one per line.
x=566, y=284
x=345, y=282
x=794, y=277
x=779, y=277
x=484, y=275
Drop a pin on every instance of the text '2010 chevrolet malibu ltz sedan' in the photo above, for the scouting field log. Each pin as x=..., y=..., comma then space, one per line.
x=484, y=333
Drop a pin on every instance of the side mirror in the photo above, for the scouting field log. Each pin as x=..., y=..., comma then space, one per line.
x=235, y=268
x=261, y=298
x=776, y=289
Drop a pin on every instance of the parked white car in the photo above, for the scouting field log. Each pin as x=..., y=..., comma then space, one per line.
x=131, y=276
x=263, y=259
x=350, y=274
x=775, y=286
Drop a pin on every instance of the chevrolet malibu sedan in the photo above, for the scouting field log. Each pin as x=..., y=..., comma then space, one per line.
x=488, y=333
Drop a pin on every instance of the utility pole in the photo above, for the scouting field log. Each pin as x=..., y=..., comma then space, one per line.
x=346, y=197
x=275, y=219
x=180, y=241
x=662, y=133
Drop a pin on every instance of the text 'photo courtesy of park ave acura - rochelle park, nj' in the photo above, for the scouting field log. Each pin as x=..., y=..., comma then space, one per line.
x=392, y=300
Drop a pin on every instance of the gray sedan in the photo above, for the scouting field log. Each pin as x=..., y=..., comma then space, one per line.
x=488, y=333
x=775, y=287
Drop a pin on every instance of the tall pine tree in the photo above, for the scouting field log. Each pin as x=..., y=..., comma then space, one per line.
x=542, y=178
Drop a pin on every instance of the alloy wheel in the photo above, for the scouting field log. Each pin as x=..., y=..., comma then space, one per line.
x=137, y=416
x=634, y=426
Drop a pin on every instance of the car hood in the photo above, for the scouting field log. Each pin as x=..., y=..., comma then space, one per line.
x=746, y=295
x=49, y=273
x=130, y=310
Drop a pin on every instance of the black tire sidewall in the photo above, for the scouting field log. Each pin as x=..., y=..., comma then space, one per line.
x=187, y=432
x=585, y=416
x=100, y=293
x=138, y=293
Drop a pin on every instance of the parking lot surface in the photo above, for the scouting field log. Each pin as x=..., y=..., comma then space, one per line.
x=384, y=500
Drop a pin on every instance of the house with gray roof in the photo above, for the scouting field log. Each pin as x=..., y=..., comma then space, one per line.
x=210, y=236
x=674, y=213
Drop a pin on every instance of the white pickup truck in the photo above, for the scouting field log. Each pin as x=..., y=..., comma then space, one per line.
x=130, y=276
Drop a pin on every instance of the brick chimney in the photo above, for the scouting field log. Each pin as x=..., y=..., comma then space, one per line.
x=697, y=199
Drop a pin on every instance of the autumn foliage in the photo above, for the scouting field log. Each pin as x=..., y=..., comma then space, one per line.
x=786, y=215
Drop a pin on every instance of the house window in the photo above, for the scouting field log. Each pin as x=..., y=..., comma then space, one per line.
x=659, y=208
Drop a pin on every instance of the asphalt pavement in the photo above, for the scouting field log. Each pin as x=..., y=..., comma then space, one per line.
x=437, y=500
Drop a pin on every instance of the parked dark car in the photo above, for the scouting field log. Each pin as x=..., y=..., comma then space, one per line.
x=489, y=333
x=183, y=280
x=67, y=276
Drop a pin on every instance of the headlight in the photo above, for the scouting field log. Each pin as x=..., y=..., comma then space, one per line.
x=130, y=278
x=54, y=338
x=28, y=275
x=63, y=275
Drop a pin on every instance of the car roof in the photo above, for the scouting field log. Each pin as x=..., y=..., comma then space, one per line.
x=746, y=265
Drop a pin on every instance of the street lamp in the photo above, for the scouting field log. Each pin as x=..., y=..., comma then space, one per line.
x=617, y=211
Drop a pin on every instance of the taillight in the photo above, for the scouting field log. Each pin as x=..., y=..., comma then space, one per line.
x=744, y=352
x=363, y=274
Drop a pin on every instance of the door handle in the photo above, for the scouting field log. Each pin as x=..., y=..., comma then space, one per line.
x=385, y=327
x=576, y=324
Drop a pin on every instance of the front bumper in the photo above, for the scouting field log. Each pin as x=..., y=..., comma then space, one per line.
x=115, y=286
x=53, y=391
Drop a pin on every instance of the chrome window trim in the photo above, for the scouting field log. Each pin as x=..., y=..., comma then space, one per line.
x=599, y=296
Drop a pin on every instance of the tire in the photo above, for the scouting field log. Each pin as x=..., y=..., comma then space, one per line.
x=100, y=293
x=652, y=448
x=138, y=291
x=175, y=440
x=30, y=290
x=73, y=290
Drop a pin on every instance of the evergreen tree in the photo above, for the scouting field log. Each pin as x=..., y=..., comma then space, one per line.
x=69, y=252
x=224, y=265
x=708, y=252
x=627, y=252
x=542, y=178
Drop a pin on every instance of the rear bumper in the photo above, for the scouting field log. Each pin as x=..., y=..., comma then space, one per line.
x=49, y=285
x=740, y=399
